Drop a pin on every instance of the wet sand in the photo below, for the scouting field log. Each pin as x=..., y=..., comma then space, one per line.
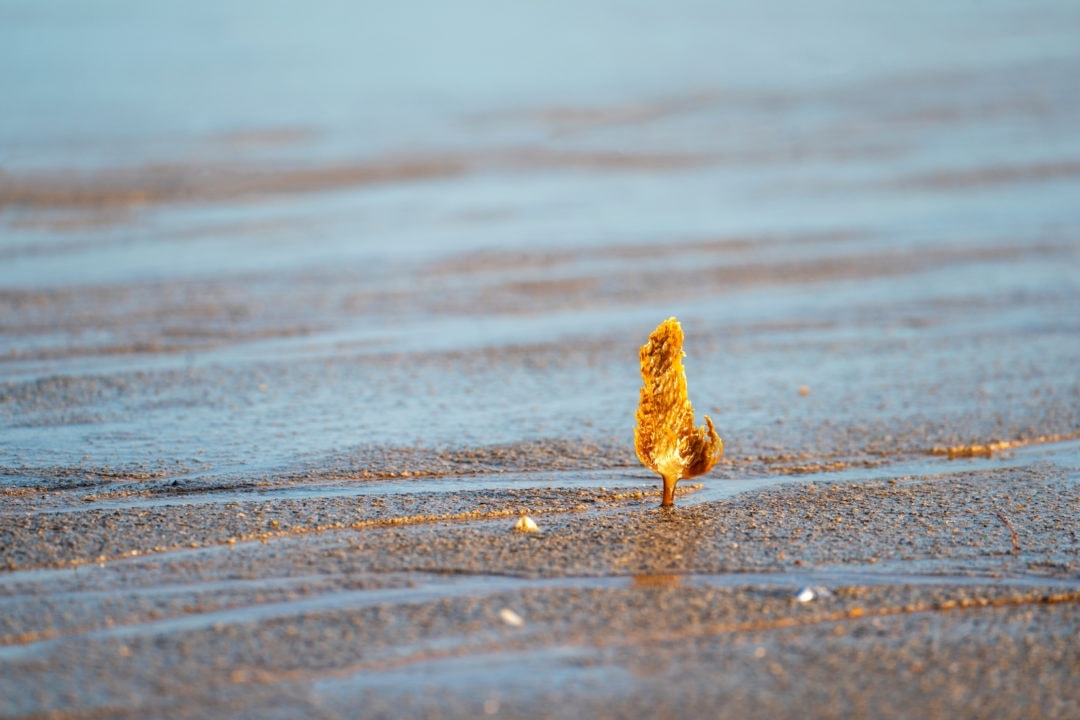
x=242, y=554
x=280, y=369
x=252, y=581
x=923, y=603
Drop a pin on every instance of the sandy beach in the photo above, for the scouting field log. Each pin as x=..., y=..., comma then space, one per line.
x=300, y=312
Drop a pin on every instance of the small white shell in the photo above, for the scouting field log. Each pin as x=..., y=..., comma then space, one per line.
x=811, y=592
x=511, y=618
x=526, y=524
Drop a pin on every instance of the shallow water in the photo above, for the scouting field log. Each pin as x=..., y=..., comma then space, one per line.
x=241, y=242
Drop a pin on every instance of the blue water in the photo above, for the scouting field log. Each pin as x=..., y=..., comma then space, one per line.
x=878, y=200
x=127, y=81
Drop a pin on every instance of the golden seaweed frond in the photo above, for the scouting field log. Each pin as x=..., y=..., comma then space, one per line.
x=665, y=438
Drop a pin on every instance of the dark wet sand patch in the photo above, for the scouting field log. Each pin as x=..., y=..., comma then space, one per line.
x=619, y=598
x=43, y=539
x=670, y=628
x=954, y=515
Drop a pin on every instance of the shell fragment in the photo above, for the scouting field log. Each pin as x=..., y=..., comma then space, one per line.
x=526, y=524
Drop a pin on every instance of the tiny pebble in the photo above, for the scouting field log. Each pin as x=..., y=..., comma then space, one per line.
x=526, y=524
x=511, y=618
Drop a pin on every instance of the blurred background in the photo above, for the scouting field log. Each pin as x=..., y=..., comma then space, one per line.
x=268, y=235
